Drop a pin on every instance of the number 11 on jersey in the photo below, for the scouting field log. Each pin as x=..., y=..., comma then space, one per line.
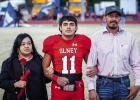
x=65, y=70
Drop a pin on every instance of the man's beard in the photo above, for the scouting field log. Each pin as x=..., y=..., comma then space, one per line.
x=113, y=26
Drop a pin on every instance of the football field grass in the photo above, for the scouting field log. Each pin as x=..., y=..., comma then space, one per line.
x=39, y=33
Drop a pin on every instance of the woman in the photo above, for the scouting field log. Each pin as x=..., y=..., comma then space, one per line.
x=13, y=78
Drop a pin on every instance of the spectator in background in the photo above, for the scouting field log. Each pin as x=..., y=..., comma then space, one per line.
x=18, y=16
x=1, y=21
x=11, y=76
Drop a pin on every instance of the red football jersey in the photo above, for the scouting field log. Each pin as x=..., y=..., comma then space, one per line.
x=67, y=55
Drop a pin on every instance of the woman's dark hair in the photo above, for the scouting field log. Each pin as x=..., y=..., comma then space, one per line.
x=17, y=44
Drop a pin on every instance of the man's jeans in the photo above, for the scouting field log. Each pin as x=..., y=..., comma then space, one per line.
x=109, y=89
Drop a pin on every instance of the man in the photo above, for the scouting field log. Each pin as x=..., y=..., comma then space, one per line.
x=115, y=52
x=66, y=51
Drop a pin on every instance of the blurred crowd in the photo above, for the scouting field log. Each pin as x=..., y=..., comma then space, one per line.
x=47, y=9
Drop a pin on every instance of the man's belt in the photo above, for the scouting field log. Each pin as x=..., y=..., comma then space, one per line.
x=119, y=79
x=72, y=77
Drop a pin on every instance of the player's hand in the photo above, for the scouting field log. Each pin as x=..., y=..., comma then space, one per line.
x=91, y=71
x=48, y=72
x=62, y=81
x=93, y=95
x=133, y=92
x=20, y=84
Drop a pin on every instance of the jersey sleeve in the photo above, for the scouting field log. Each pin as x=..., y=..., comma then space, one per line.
x=48, y=44
x=87, y=42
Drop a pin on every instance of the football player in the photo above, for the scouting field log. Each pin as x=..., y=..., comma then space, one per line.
x=66, y=51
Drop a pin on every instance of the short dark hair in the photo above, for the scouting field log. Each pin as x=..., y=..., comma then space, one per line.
x=17, y=44
x=69, y=18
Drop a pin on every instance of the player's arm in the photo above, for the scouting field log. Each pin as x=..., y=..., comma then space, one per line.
x=91, y=71
x=48, y=71
x=86, y=57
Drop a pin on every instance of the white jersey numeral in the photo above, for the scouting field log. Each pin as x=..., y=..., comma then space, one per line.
x=65, y=70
